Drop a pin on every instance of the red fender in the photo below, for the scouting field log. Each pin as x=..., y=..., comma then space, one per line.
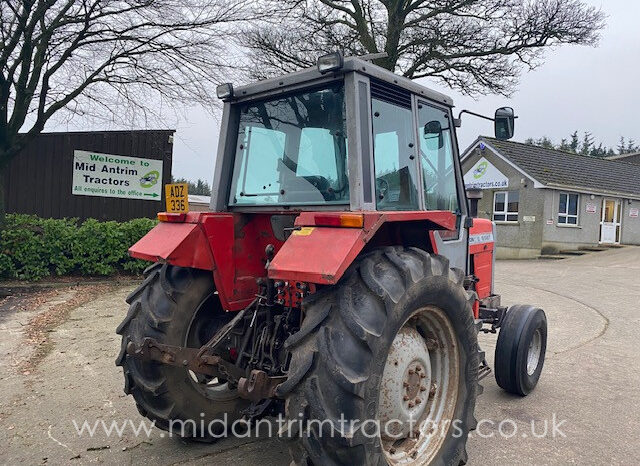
x=230, y=245
x=181, y=244
x=321, y=254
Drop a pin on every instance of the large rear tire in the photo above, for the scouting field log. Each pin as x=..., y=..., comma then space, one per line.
x=350, y=358
x=176, y=306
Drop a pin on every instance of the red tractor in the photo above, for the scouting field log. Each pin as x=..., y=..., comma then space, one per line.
x=339, y=280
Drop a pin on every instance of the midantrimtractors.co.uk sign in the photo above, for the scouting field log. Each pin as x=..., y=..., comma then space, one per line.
x=107, y=175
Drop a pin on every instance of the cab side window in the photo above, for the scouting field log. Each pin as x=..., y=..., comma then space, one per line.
x=395, y=169
x=436, y=159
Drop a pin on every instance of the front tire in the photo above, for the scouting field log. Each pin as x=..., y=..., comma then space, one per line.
x=347, y=357
x=176, y=306
x=521, y=348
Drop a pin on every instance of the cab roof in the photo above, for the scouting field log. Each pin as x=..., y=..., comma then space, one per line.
x=308, y=76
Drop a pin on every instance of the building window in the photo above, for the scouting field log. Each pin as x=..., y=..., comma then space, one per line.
x=505, y=206
x=568, y=209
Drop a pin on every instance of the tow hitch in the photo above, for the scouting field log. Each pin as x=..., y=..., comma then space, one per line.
x=256, y=387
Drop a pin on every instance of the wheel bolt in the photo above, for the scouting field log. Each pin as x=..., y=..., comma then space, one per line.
x=418, y=369
x=411, y=405
x=423, y=388
x=392, y=450
x=405, y=385
x=434, y=387
x=411, y=372
x=406, y=398
x=418, y=401
x=422, y=376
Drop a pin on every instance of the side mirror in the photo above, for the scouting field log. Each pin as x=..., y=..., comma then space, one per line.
x=432, y=130
x=504, y=122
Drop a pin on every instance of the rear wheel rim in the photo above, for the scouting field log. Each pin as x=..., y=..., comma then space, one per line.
x=534, y=352
x=203, y=325
x=419, y=388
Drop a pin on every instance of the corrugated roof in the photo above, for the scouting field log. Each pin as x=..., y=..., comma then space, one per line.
x=198, y=199
x=558, y=169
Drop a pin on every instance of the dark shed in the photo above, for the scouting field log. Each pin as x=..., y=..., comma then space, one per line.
x=39, y=180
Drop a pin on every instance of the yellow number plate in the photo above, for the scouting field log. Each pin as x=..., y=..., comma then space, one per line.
x=177, y=197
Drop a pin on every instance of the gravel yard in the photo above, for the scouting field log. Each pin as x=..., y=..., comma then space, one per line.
x=58, y=347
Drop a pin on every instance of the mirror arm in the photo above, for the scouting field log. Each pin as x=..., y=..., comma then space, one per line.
x=458, y=121
x=474, y=114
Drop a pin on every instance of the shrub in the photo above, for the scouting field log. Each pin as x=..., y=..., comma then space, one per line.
x=32, y=248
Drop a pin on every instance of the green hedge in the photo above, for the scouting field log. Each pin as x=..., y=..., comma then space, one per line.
x=32, y=248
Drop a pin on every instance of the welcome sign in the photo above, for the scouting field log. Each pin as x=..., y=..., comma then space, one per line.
x=106, y=175
x=483, y=175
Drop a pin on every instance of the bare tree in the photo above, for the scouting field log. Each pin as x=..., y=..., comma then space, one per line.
x=475, y=46
x=103, y=58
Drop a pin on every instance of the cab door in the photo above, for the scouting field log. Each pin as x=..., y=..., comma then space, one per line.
x=439, y=172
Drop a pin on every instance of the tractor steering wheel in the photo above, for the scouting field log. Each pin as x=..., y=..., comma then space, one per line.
x=382, y=188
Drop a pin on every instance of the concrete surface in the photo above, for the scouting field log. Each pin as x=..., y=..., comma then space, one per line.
x=591, y=381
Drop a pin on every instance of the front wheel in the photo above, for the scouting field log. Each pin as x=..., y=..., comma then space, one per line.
x=520, y=350
x=385, y=367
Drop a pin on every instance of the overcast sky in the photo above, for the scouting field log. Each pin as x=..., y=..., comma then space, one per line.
x=577, y=88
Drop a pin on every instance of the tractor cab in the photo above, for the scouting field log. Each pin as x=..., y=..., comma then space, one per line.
x=346, y=136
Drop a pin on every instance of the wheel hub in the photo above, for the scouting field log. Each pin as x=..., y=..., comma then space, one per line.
x=419, y=388
x=405, y=386
x=534, y=352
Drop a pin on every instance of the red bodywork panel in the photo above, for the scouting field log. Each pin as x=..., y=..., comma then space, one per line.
x=481, y=247
x=181, y=244
x=321, y=255
x=232, y=246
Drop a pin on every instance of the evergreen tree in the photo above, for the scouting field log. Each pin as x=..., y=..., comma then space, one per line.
x=587, y=146
x=564, y=145
x=200, y=187
x=587, y=142
x=573, y=145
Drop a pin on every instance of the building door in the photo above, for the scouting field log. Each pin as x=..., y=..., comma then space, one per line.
x=610, y=222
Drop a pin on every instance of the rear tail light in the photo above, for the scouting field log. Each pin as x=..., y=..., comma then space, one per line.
x=172, y=217
x=340, y=220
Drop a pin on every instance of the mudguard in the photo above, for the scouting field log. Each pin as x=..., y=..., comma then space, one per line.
x=321, y=254
x=181, y=244
x=230, y=245
x=317, y=254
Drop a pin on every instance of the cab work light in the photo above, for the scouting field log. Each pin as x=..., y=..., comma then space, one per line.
x=224, y=91
x=339, y=220
x=172, y=217
x=330, y=62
